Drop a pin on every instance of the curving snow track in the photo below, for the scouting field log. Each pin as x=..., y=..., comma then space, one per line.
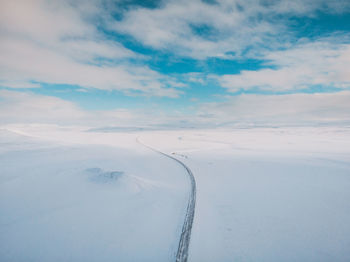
x=182, y=250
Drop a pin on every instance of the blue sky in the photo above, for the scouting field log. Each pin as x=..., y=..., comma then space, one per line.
x=173, y=60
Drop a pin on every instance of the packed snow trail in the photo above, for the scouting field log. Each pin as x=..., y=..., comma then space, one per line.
x=182, y=251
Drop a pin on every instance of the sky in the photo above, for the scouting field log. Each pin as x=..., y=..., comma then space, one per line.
x=198, y=63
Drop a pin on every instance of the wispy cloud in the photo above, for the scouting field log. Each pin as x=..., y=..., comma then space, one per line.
x=52, y=42
x=229, y=29
x=24, y=107
x=323, y=63
x=243, y=110
x=192, y=51
x=292, y=109
x=195, y=28
x=20, y=107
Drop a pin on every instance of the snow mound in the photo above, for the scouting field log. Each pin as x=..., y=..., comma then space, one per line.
x=126, y=182
x=98, y=175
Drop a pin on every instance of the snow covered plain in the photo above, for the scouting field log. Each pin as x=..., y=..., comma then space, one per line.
x=263, y=194
x=75, y=196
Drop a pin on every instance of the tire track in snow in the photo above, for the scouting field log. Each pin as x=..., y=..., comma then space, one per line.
x=182, y=250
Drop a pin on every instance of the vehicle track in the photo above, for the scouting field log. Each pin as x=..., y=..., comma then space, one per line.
x=182, y=250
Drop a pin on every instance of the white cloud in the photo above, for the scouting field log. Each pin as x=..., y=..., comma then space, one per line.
x=53, y=42
x=19, y=107
x=229, y=25
x=173, y=26
x=295, y=109
x=319, y=63
x=24, y=107
x=58, y=42
x=29, y=108
x=24, y=61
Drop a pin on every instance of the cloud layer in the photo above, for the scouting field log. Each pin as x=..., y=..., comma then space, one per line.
x=55, y=42
x=190, y=51
x=201, y=29
x=310, y=64
x=292, y=109
x=243, y=110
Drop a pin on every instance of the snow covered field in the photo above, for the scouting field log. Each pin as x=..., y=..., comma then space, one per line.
x=263, y=194
x=268, y=194
x=65, y=201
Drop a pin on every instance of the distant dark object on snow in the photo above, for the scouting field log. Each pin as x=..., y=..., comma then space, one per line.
x=98, y=175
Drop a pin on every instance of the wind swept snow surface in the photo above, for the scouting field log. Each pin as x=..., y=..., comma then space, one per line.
x=262, y=194
x=275, y=194
x=64, y=201
x=182, y=251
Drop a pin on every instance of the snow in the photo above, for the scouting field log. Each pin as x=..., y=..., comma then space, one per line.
x=267, y=194
x=88, y=202
x=263, y=194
